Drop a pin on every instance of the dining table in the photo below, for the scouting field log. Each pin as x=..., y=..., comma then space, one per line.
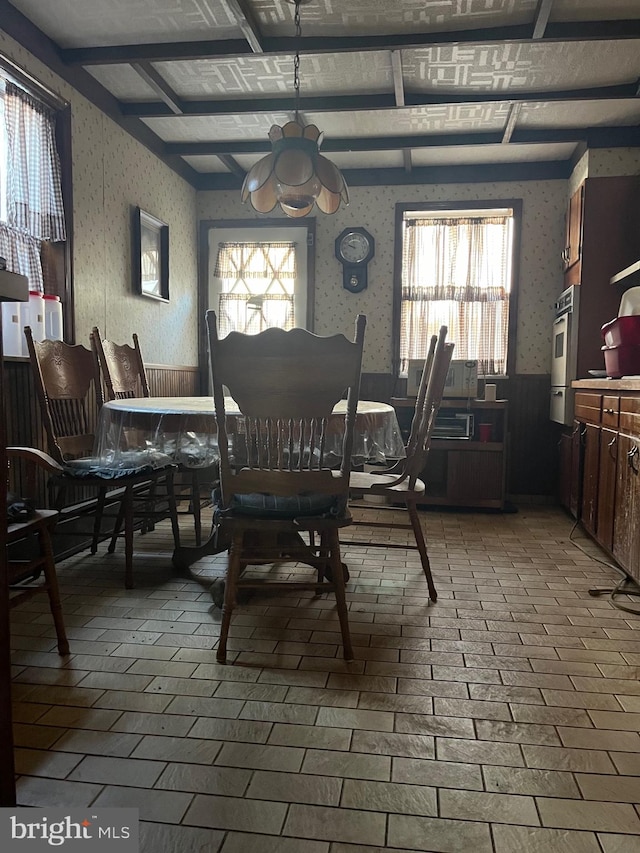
x=184, y=429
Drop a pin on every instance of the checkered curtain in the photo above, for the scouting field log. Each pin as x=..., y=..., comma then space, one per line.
x=456, y=272
x=35, y=210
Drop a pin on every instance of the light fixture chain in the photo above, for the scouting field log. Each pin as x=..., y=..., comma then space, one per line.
x=296, y=60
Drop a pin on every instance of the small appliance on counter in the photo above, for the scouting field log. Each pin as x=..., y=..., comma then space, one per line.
x=621, y=337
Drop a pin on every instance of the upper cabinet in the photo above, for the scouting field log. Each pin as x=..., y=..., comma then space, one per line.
x=572, y=251
x=602, y=237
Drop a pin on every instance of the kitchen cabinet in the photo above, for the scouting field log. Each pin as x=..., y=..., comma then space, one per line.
x=464, y=472
x=602, y=238
x=608, y=419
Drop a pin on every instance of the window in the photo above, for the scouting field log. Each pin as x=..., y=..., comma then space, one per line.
x=456, y=270
x=257, y=286
x=31, y=208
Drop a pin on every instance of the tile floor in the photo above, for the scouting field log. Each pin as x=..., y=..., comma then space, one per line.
x=504, y=718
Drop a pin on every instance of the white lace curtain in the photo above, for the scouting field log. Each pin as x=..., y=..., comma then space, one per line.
x=456, y=272
x=34, y=189
x=258, y=286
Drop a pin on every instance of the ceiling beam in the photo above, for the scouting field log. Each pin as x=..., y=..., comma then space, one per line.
x=247, y=23
x=512, y=118
x=232, y=165
x=596, y=137
x=398, y=77
x=159, y=85
x=219, y=48
x=377, y=101
x=541, y=18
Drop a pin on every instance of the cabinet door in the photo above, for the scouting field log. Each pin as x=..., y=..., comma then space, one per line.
x=626, y=531
x=590, y=471
x=607, y=486
x=573, y=231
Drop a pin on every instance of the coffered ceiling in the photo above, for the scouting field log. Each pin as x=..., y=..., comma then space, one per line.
x=404, y=90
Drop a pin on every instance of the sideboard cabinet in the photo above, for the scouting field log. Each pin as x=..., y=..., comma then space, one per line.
x=464, y=472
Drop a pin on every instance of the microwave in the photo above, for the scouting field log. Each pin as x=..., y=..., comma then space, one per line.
x=462, y=379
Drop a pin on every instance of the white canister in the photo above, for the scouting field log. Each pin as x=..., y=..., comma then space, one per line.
x=489, y=392
x=34, y=317
x=52, y=318
x=12, y=324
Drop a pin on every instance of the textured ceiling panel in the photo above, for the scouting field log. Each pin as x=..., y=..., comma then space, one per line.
x=123, y=82
x=91, y=23
x=438, y=119
x=580, y=114
x=328, y=73
x=206, y=164
x=520, y=66
x=486, y=154
x=342, y=17
x=211, y=128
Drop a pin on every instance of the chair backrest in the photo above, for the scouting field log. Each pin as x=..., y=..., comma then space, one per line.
x=285, y=384
x=67, y=381
x=122, y=367
x=427, y=404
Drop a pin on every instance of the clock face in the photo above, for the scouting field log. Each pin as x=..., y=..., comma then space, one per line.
x=354, y=247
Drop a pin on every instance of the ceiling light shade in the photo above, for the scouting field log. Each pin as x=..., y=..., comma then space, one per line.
x=295, y=175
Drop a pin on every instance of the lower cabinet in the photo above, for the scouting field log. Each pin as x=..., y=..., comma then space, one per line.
x=609, y=472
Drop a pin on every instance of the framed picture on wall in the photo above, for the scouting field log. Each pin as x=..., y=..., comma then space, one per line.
x=150, y=242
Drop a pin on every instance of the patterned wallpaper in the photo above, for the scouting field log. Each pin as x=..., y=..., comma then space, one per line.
x=113, y=172
x=373, y=208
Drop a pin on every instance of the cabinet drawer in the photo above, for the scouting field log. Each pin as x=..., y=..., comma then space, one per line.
x=588, y=407
x=630, y=415
x=610, y=411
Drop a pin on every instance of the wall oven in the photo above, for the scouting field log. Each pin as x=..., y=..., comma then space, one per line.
x=564, y=355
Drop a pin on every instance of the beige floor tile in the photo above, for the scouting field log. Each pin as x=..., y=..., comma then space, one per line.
x=187, y=750
x=484, y=806
x=627, y=763
x=440, y=774
x=615, y=789
x=55, y=793
x=479, y=752
x=528, y=839
x=438, y=835
x=238, y=842
x=349, y=765
x=203, y=780
x=618, y=843
x=389, y=797
x=315, y=737
x=621, y=741
x=152, y=805
x=149, y=724
x=295, y=788
x=236, y=814
x=261, y=757
x=506, y=732
x=106, y=770
x=160, y=837
x=519, y=780
x=330, y=824
x=592, y=815
x=44, y=762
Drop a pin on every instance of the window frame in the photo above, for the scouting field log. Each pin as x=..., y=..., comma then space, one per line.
x=459, y=204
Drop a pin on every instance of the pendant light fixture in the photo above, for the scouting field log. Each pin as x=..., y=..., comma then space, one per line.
x=295, y=175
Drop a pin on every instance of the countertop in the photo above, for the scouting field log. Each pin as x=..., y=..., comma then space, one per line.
x=627, y=383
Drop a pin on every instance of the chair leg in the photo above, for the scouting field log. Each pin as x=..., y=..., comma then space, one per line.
x=333, y=544
x=51, y=579
x=195, y=505
x=173, y=508
x=97, y=520
x=117, y=527
x=422, y=548
x=127, y=509
x=233, y=573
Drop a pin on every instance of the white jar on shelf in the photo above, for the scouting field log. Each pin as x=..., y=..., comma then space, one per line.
x=53, y=328
x=34, y=317
x=12, y=325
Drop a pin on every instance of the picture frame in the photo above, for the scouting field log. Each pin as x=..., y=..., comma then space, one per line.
x=150, y=256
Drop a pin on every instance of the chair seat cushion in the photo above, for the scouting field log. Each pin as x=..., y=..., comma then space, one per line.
x=129, y=464
x=261, y=505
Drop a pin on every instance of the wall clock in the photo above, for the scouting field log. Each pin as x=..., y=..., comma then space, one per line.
x=354, y=249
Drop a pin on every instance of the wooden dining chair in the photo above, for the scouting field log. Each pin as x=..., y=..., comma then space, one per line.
x=402, y=486
x=31, y=566
x=124, y=376
x=286, y=384
x=68, y=387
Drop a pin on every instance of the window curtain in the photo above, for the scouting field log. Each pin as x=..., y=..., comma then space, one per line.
x=456, y=272
x=34, y=208
x=257, y=286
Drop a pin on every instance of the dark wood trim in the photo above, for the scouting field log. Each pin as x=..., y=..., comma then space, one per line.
x=64, y=142
x=174, y=51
